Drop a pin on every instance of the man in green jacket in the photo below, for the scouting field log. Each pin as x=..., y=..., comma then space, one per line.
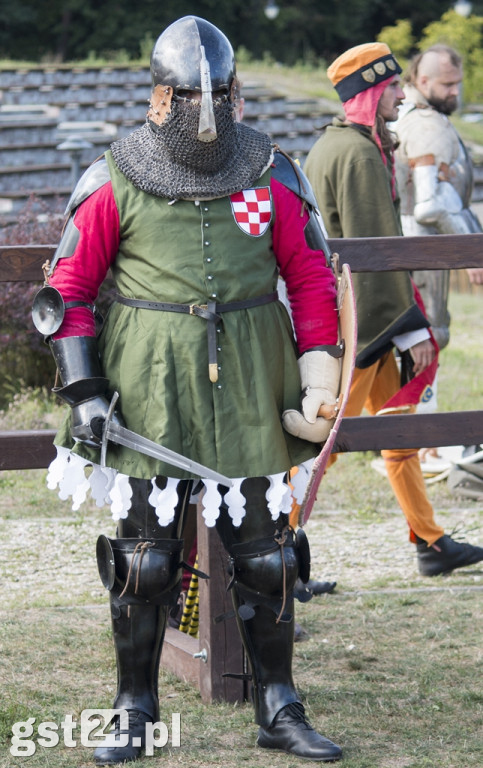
x=351, y=168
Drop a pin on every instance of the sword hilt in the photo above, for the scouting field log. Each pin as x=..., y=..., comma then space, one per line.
x=99, y=426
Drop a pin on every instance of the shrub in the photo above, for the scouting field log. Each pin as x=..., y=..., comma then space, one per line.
x=25, y=360
x=399, y=38
x=33, y=408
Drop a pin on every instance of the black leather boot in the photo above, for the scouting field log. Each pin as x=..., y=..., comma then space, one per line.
x=278, y=710
x=136, y=733
x=266, y=558
x=304, y=592
x=142, y=573
x=138, y=633
x=445, y=555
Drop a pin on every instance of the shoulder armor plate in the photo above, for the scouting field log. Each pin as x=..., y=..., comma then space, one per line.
x=289, y=173
x=93, y=179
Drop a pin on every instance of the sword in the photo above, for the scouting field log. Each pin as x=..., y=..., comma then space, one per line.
x=123, y=436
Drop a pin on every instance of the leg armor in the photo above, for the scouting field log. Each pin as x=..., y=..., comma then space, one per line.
x=265, y=562
x=142, y=571
x=264, y=566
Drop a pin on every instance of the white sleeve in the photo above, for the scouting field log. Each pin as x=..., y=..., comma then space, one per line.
x=407, y=340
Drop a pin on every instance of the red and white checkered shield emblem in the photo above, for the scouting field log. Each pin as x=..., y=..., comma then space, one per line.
x=252, y=209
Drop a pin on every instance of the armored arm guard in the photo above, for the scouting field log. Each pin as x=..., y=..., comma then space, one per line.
x=84, y=387
x=434, y=170
x=437, y=203
x=48, y=308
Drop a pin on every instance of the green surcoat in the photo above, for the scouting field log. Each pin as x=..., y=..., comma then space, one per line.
x=191, y=252
x=353, y=188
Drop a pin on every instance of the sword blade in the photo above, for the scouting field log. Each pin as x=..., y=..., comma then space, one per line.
x=130, y=439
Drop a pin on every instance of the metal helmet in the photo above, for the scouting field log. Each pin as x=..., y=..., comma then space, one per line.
x=192, y=148
x=177, y=54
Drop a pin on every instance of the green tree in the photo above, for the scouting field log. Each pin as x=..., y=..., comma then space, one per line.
x=72, y=30
x=466, y=36
x=399, y=38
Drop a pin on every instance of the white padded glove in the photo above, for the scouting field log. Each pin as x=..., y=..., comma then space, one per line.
x=320, y=378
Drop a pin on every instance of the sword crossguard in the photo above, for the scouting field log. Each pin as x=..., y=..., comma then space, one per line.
x=105, y=426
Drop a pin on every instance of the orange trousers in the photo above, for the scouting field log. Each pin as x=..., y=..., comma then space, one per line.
x=371, y=389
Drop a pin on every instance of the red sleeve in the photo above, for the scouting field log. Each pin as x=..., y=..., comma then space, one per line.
x=79, y=277
x=310, y=282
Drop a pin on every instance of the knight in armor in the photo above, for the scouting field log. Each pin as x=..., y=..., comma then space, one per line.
x=196, y=216
x=434, y=171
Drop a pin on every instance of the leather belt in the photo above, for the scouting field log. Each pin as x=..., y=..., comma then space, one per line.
x=211, y=312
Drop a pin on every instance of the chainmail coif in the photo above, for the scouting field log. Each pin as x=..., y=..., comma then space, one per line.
x=169, y=160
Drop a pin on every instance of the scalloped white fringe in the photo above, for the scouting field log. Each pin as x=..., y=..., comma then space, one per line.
x=76, y=478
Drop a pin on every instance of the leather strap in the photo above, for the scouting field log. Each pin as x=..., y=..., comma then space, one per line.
x=97, y=315
x=201, y=310
x=417, y=162
x=211, y=312
x=334, y=350
x=71, y=304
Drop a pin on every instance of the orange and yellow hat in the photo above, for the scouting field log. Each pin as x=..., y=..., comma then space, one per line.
x=361, y=68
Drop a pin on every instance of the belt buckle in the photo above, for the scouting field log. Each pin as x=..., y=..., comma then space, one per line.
x=194, y=307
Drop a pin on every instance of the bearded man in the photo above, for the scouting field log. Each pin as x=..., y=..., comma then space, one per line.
x=434, y=171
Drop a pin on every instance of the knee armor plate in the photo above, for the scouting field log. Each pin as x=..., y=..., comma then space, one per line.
x=264, y=572
x=141, y=571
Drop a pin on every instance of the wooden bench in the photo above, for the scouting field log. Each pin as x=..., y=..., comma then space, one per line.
x=204, y=660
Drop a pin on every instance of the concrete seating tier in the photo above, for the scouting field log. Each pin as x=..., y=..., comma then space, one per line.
x=40, y=107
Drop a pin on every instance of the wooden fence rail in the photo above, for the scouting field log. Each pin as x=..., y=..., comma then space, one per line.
x=24, y=450
x=218, y=650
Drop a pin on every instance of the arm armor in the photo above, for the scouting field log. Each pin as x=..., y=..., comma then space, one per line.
x=48, y=308
x=93, y=179
x=84, y=387
x=291, y=176
x=437, y=203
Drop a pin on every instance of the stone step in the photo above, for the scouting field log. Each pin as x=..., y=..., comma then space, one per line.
x=37, y=77
x=30, y=178
x=41, y=107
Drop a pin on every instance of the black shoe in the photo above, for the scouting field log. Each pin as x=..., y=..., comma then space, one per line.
x=176, y=613
x=112, y=755
x=445, y=555
x=305, y=592
x=470, y=450
x=291, y=732
x=321, y=587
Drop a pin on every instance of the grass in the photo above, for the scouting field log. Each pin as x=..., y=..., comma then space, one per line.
x=393, y=667
x=394, y=679
x=294, y=82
